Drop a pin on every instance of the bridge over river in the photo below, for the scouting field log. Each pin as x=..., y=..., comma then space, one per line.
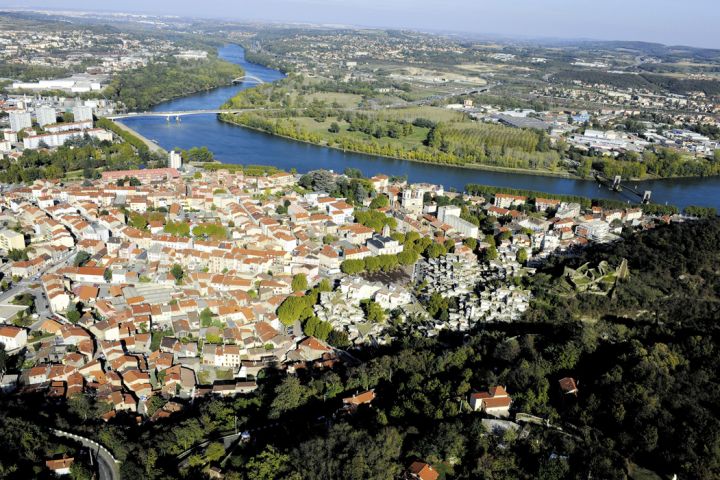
x=182, y=113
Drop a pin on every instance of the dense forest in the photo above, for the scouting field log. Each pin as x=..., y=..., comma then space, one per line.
x=645, y=359
x=160, y=81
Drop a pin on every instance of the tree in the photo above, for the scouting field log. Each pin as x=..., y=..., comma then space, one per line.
x=154, y=404
x=206, y=317
x=72, y=313
x=215, y=451
x=322, y=330
x=108, y=275
x=373, y=311
x=324, y=285
x=17, y=255
x=435, y=250
x=3, y=359
x=372, y=264
x=352, y=267
x=521, y=256
x=381, y=201
x=438, y=306
x=78, y=471
x=137, y=221
x=268, y=465
x=293, y=309
x=408, y=257
x=81, y=406
x=338, y=339
x=177, y=272
x=310, y=326
x=81, y=258
x=198, y=154
x=299, y=283
x=334, y=127
x=289, y=395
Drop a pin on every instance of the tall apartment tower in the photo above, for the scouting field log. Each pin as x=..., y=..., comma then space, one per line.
x=20, y=120
x=46, y=115
x=174, y=160
x=83, y=113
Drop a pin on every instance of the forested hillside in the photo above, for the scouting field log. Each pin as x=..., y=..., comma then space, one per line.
x=645, y=359
x=160, y=81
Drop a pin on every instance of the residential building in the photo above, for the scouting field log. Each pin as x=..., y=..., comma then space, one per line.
x=83, y=113
x=423, y=471
x=60, y=466
x=174, y=160
x=450, y=215
x=11, y=240
x=495, y=401
x=503, y=200
x=568, y=386
x=20, y=121
x=46, y=115
x=13, y=337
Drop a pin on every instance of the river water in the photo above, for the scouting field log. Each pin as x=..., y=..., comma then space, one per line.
x=232, y=144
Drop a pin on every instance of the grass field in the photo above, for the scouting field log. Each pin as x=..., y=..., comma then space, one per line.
x=347, y=100
x=436, y=114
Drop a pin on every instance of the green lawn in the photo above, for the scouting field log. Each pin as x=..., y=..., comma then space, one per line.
x=347, y=100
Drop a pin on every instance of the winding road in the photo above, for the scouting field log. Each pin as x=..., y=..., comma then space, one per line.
x=108, y=467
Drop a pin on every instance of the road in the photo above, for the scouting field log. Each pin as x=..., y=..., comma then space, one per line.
x=25, y=286
x=107, y=465
x=228, y=441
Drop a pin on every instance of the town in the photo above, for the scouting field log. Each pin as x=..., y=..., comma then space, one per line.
x=181, y=281
x=251, y=251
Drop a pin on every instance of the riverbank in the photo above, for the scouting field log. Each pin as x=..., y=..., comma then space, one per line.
x=152, y=146
x=476, y=166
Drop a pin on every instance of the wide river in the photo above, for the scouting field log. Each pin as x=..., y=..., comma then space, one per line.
x=232, y=144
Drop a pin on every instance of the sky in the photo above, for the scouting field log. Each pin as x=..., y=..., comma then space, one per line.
x=690, y=22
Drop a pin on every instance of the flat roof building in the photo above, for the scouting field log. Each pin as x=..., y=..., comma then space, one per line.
x=11, y=240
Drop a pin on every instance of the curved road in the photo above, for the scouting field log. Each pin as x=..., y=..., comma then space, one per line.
x=107, y=465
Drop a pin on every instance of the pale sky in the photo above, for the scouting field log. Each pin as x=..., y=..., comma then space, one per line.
x=690, y=22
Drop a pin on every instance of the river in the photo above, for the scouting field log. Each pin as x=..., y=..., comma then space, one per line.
x=232, y=144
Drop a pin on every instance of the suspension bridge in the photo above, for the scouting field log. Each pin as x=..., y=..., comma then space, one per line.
x=617, y=185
